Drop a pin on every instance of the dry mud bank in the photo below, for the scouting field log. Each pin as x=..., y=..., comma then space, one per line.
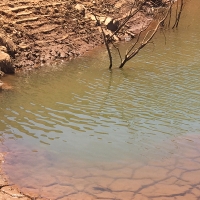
x=35, y=33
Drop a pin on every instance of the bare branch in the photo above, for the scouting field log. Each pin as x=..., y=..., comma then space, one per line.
x=178, y=14
x=107, y=47
x=164, y=36
x=106, y=42
x=130, y=15
x=162, y=11
x=145, y=40
x=117, y=51
x=133, y=46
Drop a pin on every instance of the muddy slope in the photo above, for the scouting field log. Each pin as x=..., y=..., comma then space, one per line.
x=37, y=32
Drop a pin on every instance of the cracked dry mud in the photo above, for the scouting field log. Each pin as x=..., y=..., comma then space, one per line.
x=7, y=191
x=174, y=177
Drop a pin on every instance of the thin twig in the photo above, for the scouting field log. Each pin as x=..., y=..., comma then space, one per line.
x=118, y=51
x=144, y=41
x=106, y=43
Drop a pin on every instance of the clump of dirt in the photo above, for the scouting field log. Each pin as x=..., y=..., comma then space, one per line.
x=37, y=32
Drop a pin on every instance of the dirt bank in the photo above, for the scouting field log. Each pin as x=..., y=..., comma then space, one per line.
x=35, y=33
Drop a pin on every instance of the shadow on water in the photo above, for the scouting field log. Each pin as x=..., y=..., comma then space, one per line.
x=84, y=132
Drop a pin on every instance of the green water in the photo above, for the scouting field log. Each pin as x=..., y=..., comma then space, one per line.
x=82, y=112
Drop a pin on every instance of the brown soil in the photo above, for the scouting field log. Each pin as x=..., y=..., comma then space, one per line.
x=42, y=32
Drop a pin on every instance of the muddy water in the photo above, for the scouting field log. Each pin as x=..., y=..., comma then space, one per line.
x=80, y=131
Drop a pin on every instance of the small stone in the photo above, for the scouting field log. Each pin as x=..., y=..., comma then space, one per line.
x=113, y=25
x=6, y=63
x=3, y=49
x=80, y=8
x=13, y=192
x=23, y=46
x=8, y=43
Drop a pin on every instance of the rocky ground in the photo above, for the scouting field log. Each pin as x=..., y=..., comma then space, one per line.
x=35, y=32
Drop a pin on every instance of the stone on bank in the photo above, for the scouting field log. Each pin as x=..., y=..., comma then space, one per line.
x=6, y=65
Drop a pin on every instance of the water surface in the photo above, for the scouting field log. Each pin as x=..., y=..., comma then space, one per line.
x=80, y=131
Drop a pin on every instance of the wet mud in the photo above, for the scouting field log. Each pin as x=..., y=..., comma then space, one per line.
x=37, y=33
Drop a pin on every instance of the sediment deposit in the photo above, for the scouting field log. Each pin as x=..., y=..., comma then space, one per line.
x=35, y=33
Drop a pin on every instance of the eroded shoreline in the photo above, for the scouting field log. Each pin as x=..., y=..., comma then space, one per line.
x=37, y=33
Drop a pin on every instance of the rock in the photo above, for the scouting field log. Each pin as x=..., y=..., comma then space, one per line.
x=119, y=4
x=127, y=38
x=80, y=8
x=8, y=43
x=23, y=46
x=108, y=33
x=113, y=25
x=1, y=84
x=7, y=28
x=2, y=73
x=3, y=49
x=108, y=20
x=6, y=63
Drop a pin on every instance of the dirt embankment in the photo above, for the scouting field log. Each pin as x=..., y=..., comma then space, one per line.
x=35, y=32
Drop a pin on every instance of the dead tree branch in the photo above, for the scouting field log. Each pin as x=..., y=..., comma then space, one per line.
x=117, y=51
x=162, y=12
x=178, y=14
x=106, y=43
x=147, y=38
x=130, y=15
